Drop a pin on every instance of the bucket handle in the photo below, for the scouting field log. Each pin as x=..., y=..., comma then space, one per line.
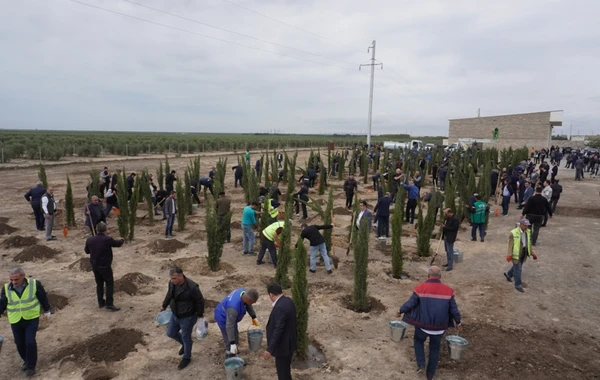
x=252, y=327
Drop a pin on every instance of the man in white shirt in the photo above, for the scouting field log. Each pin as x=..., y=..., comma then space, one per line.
x=546, y=193
x=49, y=206
x=364, y=213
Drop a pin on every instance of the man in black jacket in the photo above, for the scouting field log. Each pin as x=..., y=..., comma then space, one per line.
x=99, y=248
x=317, y=244
x=350, y=186
x=34, y=197
x=382, y=214
x=300, y=198
x=556, y=191
x=169, y=181
x=535, y=209
x=450, y=229
x=282, y=340
x=187, y=304
x=238, y=175
x=94, y=214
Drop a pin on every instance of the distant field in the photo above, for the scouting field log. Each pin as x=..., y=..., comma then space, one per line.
x=54, y=145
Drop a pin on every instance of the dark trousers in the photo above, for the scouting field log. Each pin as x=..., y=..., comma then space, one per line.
x=349, y=198
x=383, y=221
x=180, y=329
x=516, y=194
x=39, y=216
x=24, y=333
x=536, y=222
x=264, y=245
x=553, y=203
x=304, y=210
x=284, y=367
x=411, y=205
x=104, y=276
x=235, y=182
x=505, y=203
x=474, y=227
x=434, y=350
x=375, y=185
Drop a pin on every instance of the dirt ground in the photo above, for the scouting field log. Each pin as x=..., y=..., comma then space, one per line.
x=549, y=332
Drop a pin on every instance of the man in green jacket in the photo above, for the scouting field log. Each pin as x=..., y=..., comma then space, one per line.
x=519, y=248
x=479, y=211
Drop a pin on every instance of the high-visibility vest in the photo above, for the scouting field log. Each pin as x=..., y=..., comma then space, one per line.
x=269, y=232
x=273, y=211
x=27, y=307
x=516, y=233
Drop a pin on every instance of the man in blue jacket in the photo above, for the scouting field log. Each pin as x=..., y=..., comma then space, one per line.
x=382, y=212
x=230, y=312
x=411, y=205
x=431, y=309
x=34, y=197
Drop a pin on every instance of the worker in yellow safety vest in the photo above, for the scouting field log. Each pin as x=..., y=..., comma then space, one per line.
x=23, y=300
x=269, y=239
x=272, y=209
x=519, y=248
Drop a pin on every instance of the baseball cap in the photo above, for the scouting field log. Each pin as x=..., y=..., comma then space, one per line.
x=524, y=222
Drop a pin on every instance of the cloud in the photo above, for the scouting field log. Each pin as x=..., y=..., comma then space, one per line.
x=70, y=66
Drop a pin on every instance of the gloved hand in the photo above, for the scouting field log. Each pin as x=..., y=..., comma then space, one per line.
x=534, y=256
x=233, y=349
x=255, y=322
x=508, y=259
x=47, y=314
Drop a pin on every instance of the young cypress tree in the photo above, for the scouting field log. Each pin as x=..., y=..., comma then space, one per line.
x=342, y=167
x=450, y=194
x=219, y=179
x=133, y=203
x=42, y=176
x=214, y=236
x=167, y=167
x=397, y=259
x=426, y=227
x=286, y=167
x=160, y=175
x=181, y=206
x=300, y=297
x=188, y=209
x=266, y=169
x=69, y=205
x=147, y=192
x=285, y=251
x=94, y=186
x=322, y=180
x=471, y=187
x=485, y=184
x=328, y=219
x=360, y=300
x=123, y=218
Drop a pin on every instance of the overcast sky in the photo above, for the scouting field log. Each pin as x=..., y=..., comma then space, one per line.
x=69, y=66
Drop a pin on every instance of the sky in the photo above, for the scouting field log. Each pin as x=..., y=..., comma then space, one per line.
x=251, y=66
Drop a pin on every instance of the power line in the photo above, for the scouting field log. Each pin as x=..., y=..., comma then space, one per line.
x=236, y=33
x=204, y=35
x=285, y=23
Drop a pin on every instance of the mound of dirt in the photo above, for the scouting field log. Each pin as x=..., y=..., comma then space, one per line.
x=5, y=229
x=232, y=282
x=99, y=373
x=131, y=282
x=111, y=346
x=197, y=265
x=57, y=302
x=35, y=252
x=82, y=264
x=18, y=241
x=166, y=246
x=341, y=211
x=3, y=219
x=375, y=306
x=197, y=236
x=236, y=225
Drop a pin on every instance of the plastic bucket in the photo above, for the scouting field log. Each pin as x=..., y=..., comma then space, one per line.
x=234, y=368
x=397, y=330
x=456, y=346
x=255, y=337
x=458, y=256
x=163, y=318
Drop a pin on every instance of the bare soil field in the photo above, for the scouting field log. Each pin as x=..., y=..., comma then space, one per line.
x=552, y=331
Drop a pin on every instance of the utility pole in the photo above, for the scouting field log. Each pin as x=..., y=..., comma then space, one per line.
x=372, y=64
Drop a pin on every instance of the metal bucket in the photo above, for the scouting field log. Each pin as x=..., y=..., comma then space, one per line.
x=458, y=256
x=456, y=346
x=163, y=318
x=234, y=368
x=397, y=330
x=255, y=337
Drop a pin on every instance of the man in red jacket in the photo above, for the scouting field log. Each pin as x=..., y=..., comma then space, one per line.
x=431, y=309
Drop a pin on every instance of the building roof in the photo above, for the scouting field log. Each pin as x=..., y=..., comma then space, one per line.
x=513, y=114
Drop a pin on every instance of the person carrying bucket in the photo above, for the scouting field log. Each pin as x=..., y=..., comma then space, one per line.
x=230, y=311
x=431, y=309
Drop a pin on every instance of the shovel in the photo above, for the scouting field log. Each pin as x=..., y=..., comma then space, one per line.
x=436, y=250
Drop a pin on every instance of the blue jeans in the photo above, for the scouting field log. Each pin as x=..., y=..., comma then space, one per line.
x=186, y=325
x=515, y=272
x=434, y=350
x=248, y=241
x=449, y=253
x=383, y=221
x=313, y=256
x=505, y=203
x=474, y=230
x=24, y=334
x=169, y=227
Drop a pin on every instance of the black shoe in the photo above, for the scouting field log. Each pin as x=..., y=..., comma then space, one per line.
x=482, y=240
x=312, y=270
x=543, y=225
x=112, y=308
x=448, y=269
x=30, y=372
x=260, y=262
x=245, y=253
x=445, y=265
x=330, y=272
x=473, y=239
x=102, y=304
x=24, y=367
x=251, y=253
x=520, y=288
x=507, y=278
x=51, y=238
x=183, y=363
x=180, y=351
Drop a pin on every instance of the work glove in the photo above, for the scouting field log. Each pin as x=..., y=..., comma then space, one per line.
x=47, y=314
x=233, y=349
x=508, y=259
x=534, y=256
x=255, y=322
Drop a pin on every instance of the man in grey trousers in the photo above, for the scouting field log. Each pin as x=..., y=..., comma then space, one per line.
x=49, y=206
